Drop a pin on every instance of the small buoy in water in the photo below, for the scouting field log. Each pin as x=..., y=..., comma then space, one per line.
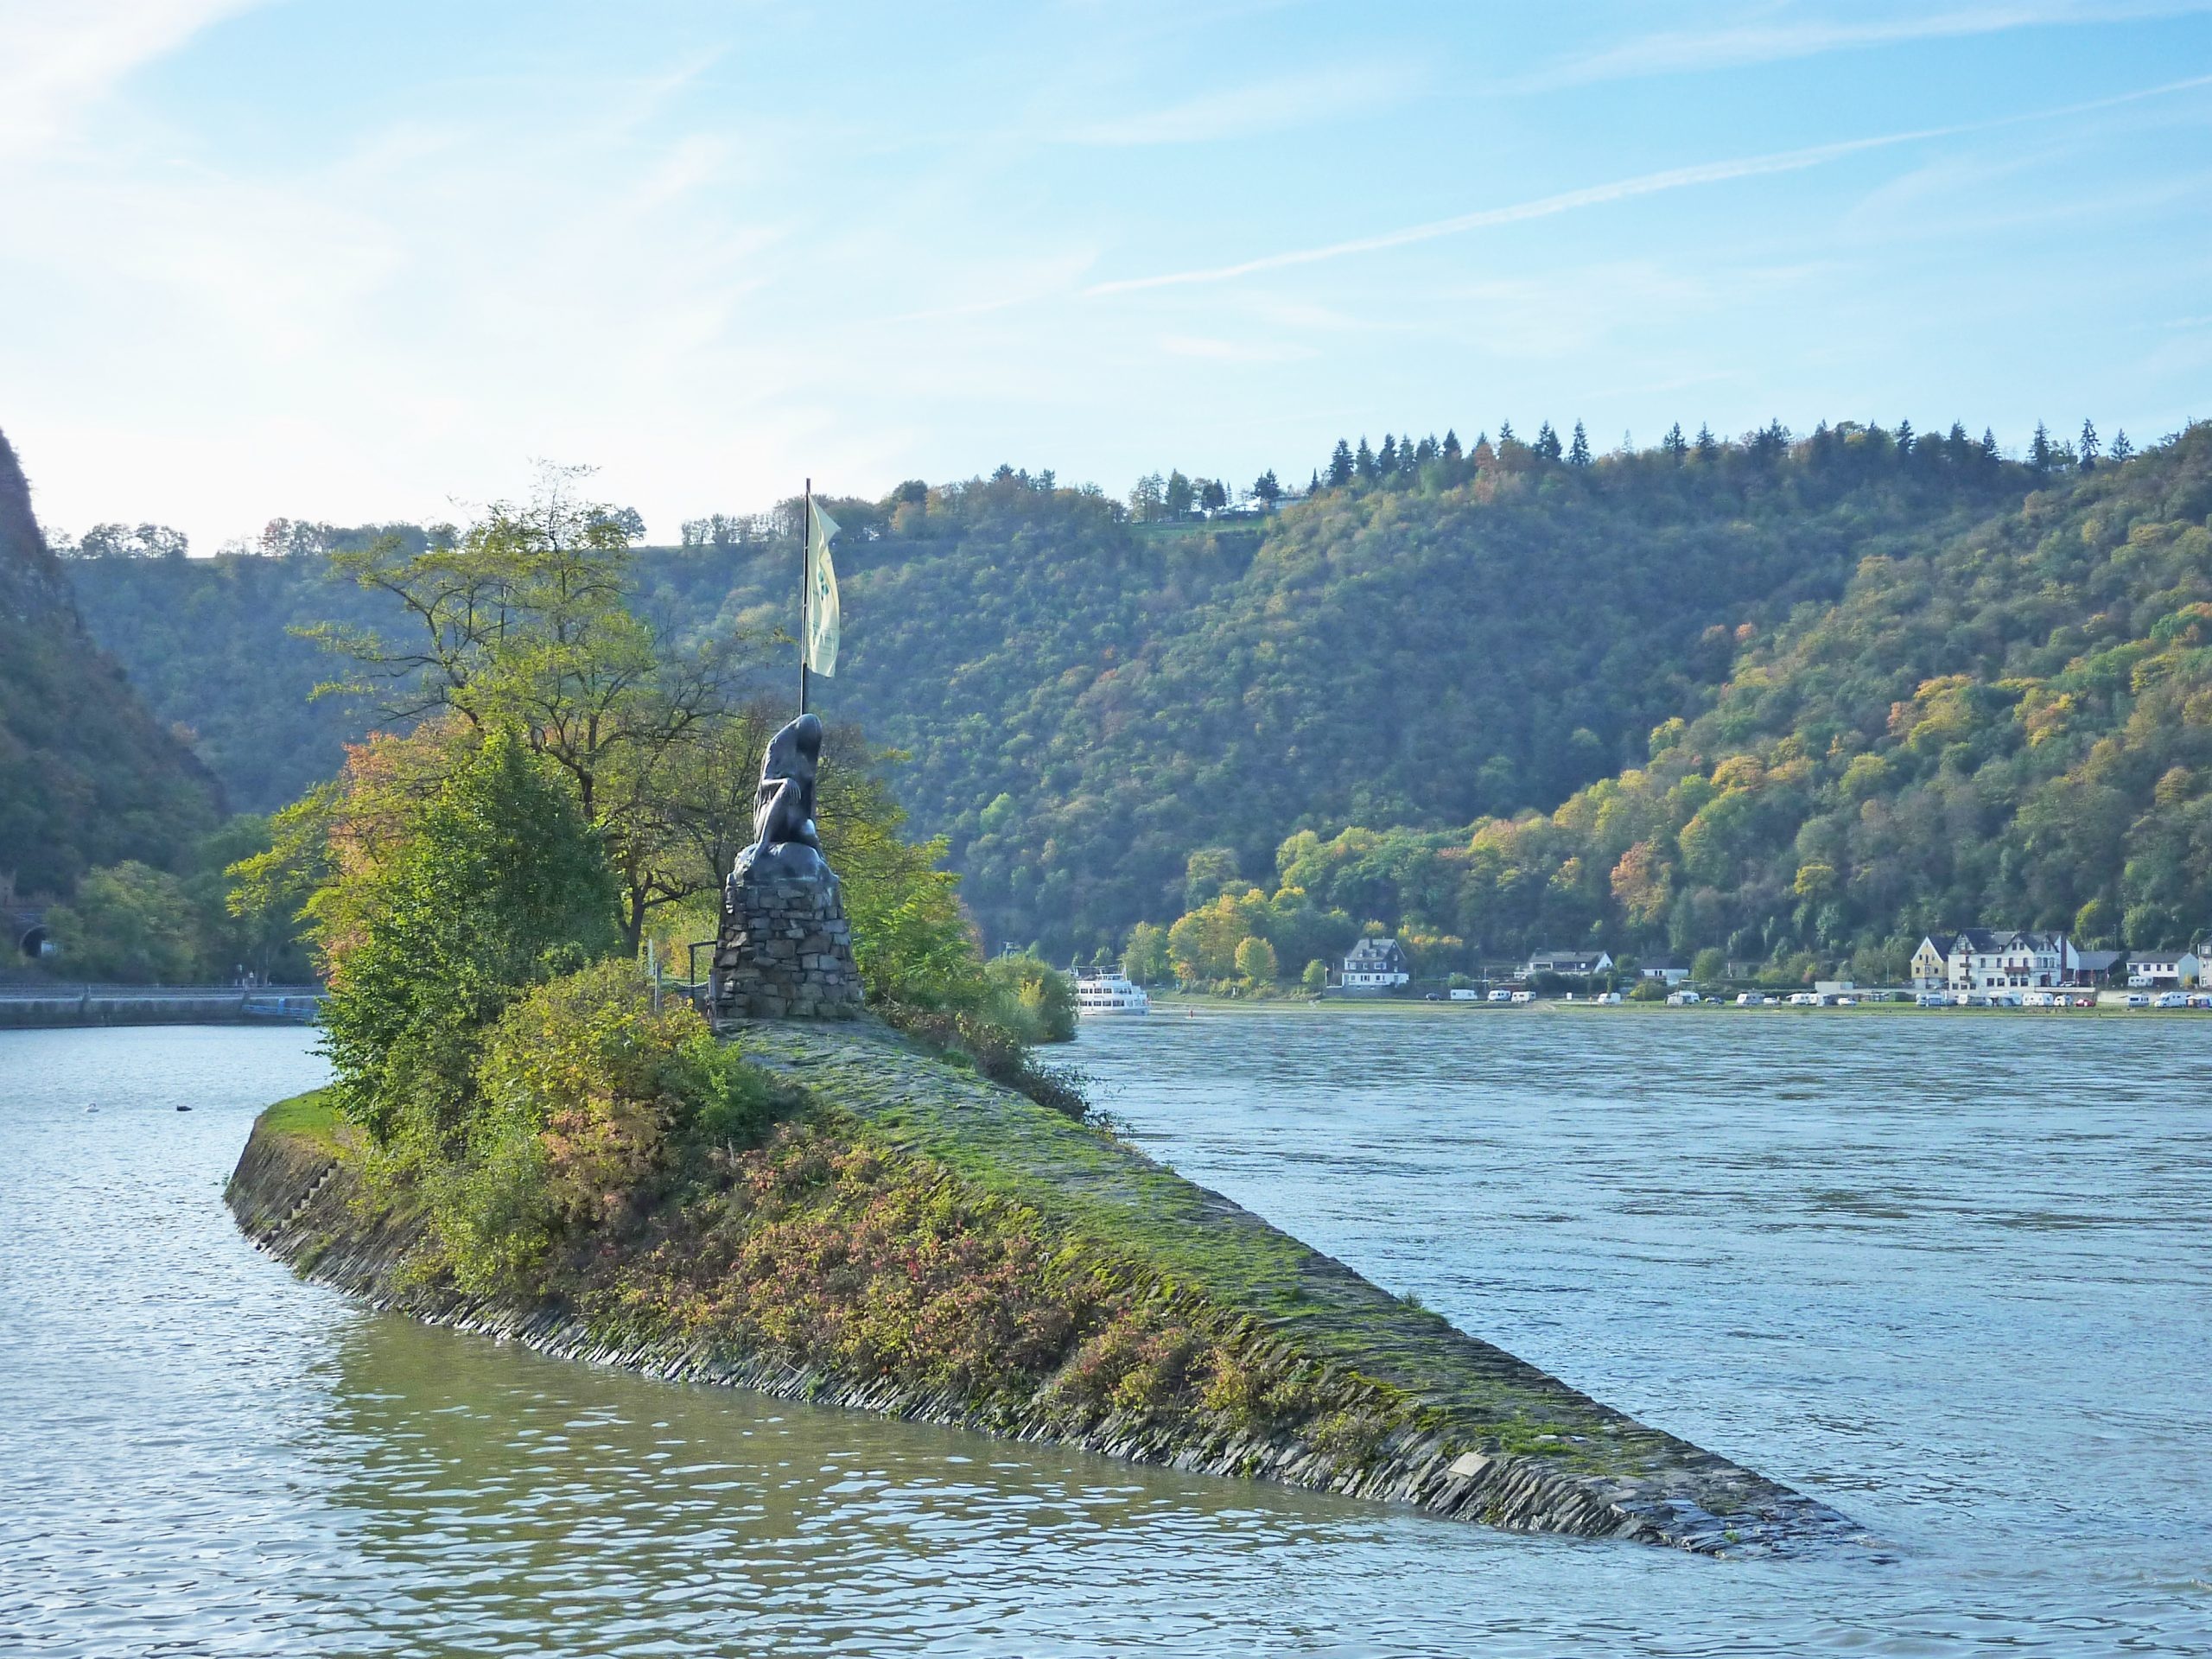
x=184, y=1108
x=92, y=1108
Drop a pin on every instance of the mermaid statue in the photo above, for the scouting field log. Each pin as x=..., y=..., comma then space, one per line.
x=786, y=846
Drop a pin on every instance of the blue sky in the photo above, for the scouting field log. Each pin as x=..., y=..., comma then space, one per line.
x=369, y=261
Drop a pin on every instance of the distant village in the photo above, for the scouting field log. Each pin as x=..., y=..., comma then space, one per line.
x=1973, y=967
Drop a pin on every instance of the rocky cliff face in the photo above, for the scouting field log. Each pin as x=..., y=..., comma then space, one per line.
x=1337, y=1385
x=87, y=776
x=31, y=583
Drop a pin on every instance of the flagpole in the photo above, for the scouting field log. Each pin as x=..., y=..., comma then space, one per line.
x=807, y=601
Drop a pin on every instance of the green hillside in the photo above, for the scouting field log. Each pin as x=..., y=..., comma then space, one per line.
x=1086, y=699
x=87, y=776
x=2008, y=724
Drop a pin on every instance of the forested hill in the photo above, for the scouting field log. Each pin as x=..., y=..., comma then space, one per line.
x=1087, y=699
x=2009, y=726
x=87, y=776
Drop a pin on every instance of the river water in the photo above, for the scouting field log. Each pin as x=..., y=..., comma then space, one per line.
x=1950, y=1275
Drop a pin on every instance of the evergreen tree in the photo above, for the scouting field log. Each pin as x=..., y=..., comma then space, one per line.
x=1409, y=460
x=1904, y=437
x=1674, y=445
x=1958, y=445
x=2089, y=447
x=2041, y=455
x=1505, y=433
x=1578, y=453
x=1340, y=464
x=1313, y=483
x=1386, y=458
x=1990, y=452
x=1363, y=460
x=1708, y=447
x=2121, y=448
x=1451, y=444
x=1266, y=489
x=1425, y=452
x=1547, y=444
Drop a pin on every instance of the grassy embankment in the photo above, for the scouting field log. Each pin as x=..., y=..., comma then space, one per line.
x=912, y=1239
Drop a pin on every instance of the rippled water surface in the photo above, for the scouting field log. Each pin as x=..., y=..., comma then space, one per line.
x=1951, y=1275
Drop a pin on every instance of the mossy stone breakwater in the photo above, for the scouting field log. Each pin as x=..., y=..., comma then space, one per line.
x=1145, y=1317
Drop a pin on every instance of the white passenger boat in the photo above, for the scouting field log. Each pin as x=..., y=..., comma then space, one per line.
x=1102, y=991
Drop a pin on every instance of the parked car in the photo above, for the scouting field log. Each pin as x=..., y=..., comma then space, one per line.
x=1933, y=1000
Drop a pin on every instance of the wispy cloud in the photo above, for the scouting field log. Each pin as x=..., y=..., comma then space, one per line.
x=1690, y=51
x=1643, y=184
x=1566, y=201
x=57, y=56
x=1246, y=112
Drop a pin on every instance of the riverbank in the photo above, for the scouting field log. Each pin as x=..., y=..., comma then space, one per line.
x=1175, y=1005
x=33, y=1007
x=1135, y=1313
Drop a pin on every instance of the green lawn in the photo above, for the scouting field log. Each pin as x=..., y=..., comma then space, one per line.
x=311, y=1115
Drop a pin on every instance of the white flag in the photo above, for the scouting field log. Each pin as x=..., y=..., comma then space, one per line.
x=822, y=616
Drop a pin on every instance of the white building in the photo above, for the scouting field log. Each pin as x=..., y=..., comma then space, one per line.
x=1666, y=971
x=1984, y=959
x=1579, y=962
x=2159, y=970
x=1375, y=965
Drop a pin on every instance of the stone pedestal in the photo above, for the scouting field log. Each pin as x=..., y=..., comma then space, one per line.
x=784, y=951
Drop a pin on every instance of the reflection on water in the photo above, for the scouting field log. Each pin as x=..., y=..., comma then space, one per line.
x=1950, y=1275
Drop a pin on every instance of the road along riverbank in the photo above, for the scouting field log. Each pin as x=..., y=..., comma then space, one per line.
x=57, y=1007
x=915, y=1240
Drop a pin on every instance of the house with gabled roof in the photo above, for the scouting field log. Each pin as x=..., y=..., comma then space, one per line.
x=1990, y=959
x=1375, y=965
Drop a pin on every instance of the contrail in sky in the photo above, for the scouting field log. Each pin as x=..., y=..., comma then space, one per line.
x=1645, y=184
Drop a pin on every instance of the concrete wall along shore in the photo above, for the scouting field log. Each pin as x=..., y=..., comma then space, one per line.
x=30, y=1007
x=1488, y=1438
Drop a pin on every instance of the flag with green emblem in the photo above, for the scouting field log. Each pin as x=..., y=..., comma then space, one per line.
x=822, y=613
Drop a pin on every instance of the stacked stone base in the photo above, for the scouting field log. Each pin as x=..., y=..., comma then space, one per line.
x=784, y=952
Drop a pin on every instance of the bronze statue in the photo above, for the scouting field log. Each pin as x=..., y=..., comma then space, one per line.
x=786, y=846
